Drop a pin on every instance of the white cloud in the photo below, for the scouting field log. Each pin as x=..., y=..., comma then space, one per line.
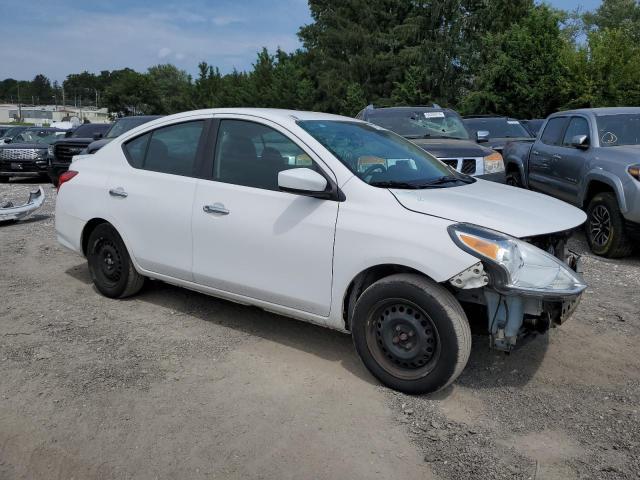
x=164, y=52
x=224, y=20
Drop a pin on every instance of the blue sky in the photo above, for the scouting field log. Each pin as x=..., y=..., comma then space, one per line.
x=65, y=36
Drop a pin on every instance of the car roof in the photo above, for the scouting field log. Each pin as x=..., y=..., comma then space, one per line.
x=267, y=113
x=600, y=111
x=487, y=117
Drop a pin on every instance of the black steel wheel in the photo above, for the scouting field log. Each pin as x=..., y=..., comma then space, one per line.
x=605, y=227
x=403, y=339
x=411, y=333
x=110, y=266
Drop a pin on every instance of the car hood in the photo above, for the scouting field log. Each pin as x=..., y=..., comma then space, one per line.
x=451, y=148
x=35, y=145
x=514, y=211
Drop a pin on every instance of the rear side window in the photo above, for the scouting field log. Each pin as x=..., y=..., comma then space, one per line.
x=171, y=149
x=577, y=126
x=136, y=149
x=552, y=134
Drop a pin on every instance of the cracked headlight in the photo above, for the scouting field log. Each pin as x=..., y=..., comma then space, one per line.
x=515, y=265
x=493, y=163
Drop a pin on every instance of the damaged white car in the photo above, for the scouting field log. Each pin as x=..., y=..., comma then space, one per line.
x=9, y=211
x=329, y=220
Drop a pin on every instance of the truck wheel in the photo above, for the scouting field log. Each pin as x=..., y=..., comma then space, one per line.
x=411, y=333
x=514, y=179
x=605, y=227
x=110, y=266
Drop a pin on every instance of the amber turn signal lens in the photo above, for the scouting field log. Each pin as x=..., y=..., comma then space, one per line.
x=488, y=249
x=634, y=171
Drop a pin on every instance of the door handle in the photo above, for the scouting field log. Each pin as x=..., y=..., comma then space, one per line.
x=218, y=208
x=118, y=192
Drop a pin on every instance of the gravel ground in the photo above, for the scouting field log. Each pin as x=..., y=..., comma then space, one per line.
x=174, y=384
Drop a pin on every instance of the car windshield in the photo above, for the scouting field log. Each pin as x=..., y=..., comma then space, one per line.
x=420, y=123
x=89, y=130
x=124, y=125
x=621, y=129
x=498, y=127
x=39, y=136
x=13, y=131
x=380, y=157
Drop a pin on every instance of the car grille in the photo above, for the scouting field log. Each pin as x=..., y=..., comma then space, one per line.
x=64, y=152
x=464, y=165
x=19, y=153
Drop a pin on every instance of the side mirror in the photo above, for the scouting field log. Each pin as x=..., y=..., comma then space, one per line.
x=302, y=181
x=482, y=136
x=97, y=136
x=580, y=141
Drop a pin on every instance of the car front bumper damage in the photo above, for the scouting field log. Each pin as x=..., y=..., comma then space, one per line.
x=9, y=211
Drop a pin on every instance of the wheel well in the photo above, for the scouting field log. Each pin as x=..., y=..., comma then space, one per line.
x=365, y=279
x=595, y=187
x=512, y=167
x=86, y=232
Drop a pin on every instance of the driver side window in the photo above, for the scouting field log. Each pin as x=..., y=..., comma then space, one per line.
x=252, y=155
x=577, y=126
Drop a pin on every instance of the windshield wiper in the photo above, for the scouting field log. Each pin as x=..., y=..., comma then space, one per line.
x=445, y=179
x=394, y=184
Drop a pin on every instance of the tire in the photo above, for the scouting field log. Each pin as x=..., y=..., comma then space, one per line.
x=514, y=179
x=110, y=266
x=411, y=333
x=605, y=227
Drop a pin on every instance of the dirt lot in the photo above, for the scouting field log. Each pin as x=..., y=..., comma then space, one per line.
x=174, y=384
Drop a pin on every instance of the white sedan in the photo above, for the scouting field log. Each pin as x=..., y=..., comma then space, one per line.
x=328, y=220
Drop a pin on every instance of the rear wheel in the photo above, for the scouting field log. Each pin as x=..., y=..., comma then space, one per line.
x=411, y=333
x=605, y=227
x=110, y=266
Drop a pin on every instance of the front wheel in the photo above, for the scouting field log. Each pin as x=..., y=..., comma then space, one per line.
x=411, y=333
x=605, y=227
x=110, y=266
x=514, y=179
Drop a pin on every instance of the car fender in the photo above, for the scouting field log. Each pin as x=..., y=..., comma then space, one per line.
x=600, y=175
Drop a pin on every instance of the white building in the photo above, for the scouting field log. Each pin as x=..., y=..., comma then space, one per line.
x=47, y=114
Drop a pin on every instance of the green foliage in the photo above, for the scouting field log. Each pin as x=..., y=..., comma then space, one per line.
x=516, y=57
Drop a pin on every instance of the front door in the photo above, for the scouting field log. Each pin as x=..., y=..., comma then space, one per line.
x=569, y=165
x=251, y=239
x=544, y=153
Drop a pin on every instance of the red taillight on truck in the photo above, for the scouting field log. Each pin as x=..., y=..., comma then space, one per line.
x=65, y=177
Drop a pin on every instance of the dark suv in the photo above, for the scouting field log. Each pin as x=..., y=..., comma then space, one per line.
x=119, y=127
x=440, y=132
x=62, y=151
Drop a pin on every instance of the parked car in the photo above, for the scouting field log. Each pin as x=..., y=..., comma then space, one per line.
x=7, y=137
x=441, y=132
x=591, y=159
x=26, y=154
x=533, y=125
x=496, y=131
x=62, y=151
x=119, y=127
x=325, y=219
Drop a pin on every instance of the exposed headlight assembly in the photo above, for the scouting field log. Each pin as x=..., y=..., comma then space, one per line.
x=515, y=265
x=493, y=163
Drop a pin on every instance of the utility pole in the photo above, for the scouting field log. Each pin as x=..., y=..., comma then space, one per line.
x=19, y=107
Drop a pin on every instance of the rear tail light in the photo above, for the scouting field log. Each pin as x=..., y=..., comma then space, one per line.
x=65, y=177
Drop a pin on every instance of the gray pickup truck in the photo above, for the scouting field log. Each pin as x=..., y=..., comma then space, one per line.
x=590, y=158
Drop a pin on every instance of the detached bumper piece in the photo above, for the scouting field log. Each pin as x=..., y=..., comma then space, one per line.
x=9, y=211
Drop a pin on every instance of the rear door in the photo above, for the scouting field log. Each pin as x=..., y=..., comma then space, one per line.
x=151, y=198
x=544, y=152
x=253, y=240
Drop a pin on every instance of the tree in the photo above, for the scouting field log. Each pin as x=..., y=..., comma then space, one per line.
x=523, y=72
x=132, y=93
x=173, y=87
